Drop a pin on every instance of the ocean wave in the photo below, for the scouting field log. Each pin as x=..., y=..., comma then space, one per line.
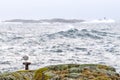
x=63, y=43
x=101, y=21
x=76, y=33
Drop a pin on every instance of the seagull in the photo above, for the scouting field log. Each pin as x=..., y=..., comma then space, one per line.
x=25, y=58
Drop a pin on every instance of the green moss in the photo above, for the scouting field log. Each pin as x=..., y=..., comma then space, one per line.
x=108, y=68
x=82, y=72
x=58, y=67
x=74, y=75
x=74, y=69
x=39, y=74
x=65, y=72
x=19, y=75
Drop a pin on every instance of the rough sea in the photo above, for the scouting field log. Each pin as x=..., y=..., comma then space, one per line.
x=59, y=43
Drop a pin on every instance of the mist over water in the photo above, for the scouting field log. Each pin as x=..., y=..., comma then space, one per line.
x=59, y=43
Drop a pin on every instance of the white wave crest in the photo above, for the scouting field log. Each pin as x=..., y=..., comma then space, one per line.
x=101, y=21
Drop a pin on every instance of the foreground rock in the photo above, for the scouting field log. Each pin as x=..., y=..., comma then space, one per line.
x=66, y=72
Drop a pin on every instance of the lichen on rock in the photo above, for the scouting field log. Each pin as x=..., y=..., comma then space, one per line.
x=66, y=72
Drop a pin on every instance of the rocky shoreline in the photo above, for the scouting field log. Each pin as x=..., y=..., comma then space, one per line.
x=65, y=72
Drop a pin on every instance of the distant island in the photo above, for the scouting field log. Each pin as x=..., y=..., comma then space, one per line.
x=57, y=20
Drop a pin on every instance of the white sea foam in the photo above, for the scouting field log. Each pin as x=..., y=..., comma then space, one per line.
x=48, y=44
x=101, y=21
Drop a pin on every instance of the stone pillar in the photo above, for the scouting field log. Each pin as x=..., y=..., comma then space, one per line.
x=26, y=65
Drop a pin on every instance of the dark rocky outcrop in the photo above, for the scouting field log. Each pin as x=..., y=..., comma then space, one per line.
x=55, y=20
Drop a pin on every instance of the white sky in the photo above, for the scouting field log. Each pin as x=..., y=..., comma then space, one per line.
x=42, y=9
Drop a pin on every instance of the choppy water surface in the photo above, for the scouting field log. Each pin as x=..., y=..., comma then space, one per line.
x=59, y=43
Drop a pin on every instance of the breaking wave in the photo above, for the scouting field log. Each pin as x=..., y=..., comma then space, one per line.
x=48, y=44
x=76, y=33
x=101, y=21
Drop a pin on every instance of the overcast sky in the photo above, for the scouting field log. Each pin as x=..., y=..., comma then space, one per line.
x=69, y=9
